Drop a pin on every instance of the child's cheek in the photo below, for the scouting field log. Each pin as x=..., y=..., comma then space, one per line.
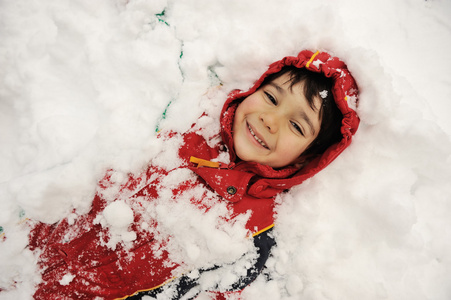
x=293, y=147
x=252, y=103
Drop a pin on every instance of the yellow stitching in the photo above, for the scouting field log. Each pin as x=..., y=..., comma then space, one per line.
x=311, y=59
x=263, y=230
x=146, y=290
x=23, y=221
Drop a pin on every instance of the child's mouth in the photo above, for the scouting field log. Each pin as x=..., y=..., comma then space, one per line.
x=256, y=138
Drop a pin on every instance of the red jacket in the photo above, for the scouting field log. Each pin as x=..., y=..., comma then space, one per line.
x=77, y=257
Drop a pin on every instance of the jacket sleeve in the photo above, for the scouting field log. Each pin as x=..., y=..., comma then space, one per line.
x=188, y=286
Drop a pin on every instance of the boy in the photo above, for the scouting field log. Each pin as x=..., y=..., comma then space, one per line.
x=297, y=118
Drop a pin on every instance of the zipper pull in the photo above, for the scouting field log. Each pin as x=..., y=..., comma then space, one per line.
x=204, y=163
x=210, y=164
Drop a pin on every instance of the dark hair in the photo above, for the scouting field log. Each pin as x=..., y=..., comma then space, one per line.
x=330, y=115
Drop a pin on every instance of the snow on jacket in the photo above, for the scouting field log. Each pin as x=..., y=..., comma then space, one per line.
x=88, y=256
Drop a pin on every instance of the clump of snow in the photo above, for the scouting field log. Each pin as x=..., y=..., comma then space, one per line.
x=67, y=279
x=168, y=157
x=117, y=217
x=317, y=63
x=84, y=85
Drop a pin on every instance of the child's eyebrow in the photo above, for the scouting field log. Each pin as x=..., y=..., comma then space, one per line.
x=277, y=87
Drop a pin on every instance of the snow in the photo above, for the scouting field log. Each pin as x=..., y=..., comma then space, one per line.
x=323, y=94
x=66, y=279
x=84, y=85
x=118, y=214
x=117, y=217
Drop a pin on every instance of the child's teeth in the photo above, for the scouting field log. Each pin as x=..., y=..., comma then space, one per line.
x=258, y=140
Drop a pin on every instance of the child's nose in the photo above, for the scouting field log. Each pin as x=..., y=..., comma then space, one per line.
x=270, y=121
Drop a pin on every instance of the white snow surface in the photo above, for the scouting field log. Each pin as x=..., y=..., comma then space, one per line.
x=83, y=85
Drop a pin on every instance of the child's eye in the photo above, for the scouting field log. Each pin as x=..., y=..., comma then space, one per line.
x=296, y=126
x=271, y=98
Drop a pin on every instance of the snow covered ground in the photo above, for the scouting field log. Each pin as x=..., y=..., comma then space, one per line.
x=83, y=85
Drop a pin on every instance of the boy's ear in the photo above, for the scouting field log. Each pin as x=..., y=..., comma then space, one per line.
x=303, y=160
x=300, y=162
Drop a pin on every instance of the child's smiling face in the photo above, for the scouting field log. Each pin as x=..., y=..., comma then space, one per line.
x=276, y=124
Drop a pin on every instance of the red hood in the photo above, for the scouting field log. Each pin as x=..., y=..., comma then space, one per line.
x=345, y=94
